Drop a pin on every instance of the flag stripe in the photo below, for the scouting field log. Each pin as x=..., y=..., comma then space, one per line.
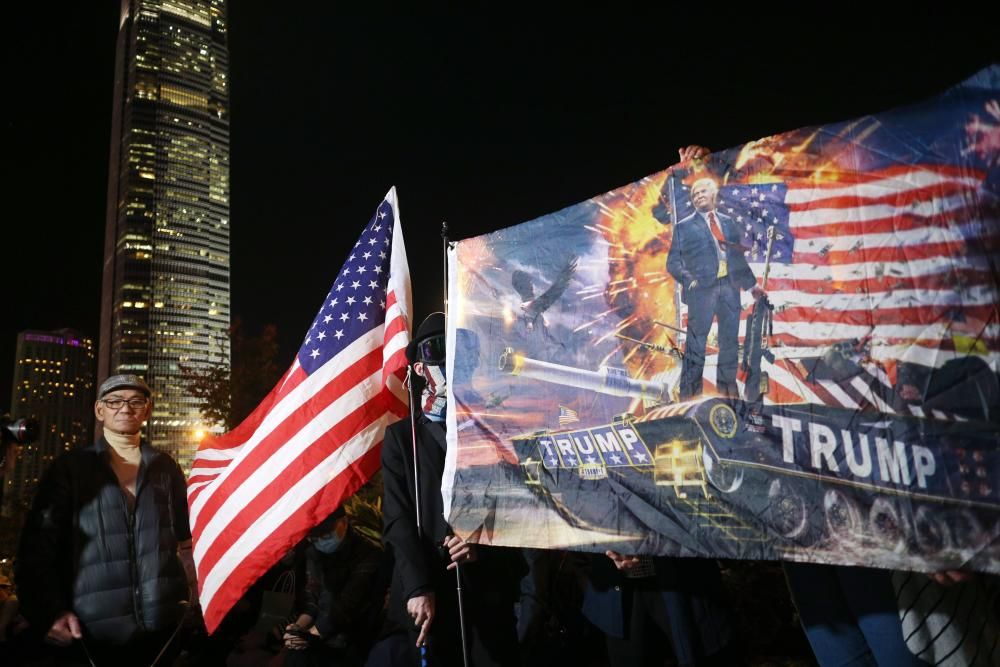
x=919, y=352
x=210, y=462
x=197, y=479
x=924, y=235
x=947, y=279
x=901, y=200
x=891, y=254
x=832, y=331
x=895, y=178
x=901, y=222
x=863, y=195
x=197, y=486
x=979, y=295
x=875, y=212
x=879, y=315
x=910, y=267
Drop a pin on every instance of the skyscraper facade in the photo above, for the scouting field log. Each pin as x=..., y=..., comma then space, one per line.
x=165, y=296
x=53, y=383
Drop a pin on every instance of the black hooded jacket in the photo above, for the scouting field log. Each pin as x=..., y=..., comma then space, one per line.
x=492, y=582
x=83, y=550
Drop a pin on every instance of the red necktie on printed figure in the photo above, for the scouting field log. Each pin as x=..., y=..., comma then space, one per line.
x=713, y=224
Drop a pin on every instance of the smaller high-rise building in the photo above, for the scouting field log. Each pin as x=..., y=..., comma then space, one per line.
x=53, y=383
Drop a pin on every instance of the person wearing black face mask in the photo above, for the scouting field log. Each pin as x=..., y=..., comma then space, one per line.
x=338, y=607
x=423, y=592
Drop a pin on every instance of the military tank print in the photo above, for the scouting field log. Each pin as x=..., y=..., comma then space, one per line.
x=756, y=481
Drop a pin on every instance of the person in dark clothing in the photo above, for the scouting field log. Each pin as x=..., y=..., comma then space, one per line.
x=423, y=595
x=706, y=259
x=651, y=608
x=850, y=615
x=100, y=560
x=339, y=605
x=551, y=627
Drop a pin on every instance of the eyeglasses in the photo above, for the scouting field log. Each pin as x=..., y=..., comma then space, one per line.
x=119, y=403
x=431, y=350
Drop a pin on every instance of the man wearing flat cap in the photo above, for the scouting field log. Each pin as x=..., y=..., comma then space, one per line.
x=104, y=561
x=423, y=596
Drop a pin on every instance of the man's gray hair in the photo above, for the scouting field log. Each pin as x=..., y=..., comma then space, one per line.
x=706, y=179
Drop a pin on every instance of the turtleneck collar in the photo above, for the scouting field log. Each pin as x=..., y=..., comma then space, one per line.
x=124, y=445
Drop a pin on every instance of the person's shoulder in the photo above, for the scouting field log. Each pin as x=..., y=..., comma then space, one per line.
x=687, y=220
x=77, y=455
x=401, y=429
x=155, y=451
x=160, y=457
x=397, y=437
x=78, y=462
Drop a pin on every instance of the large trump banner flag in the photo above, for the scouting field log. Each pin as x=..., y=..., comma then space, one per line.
x=785, y=350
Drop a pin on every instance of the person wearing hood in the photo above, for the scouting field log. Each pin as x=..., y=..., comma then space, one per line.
x=423, y=595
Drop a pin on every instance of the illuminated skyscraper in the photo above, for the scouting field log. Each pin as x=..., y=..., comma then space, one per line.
x=165, y=297
x=53, y=383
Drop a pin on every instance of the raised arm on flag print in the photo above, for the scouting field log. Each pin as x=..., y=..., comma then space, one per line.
x=316, y=438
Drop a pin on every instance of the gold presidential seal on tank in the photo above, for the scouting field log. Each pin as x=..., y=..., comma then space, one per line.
x=723, y=420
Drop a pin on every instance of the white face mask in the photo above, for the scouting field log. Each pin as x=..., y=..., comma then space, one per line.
x=327, y=544
x=434, y=399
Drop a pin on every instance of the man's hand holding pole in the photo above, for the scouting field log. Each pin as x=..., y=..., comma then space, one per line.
x=461, y=552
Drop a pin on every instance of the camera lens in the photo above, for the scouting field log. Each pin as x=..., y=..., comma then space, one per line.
x=21, y=431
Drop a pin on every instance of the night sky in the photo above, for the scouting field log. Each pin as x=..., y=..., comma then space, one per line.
x=481, y=120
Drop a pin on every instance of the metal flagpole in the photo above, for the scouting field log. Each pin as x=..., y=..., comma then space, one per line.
x=458, y=568
x=414, y=406
x=444, y=267
x=673, y=228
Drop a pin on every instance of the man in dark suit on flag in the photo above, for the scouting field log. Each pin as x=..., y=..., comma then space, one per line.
x=706, y=259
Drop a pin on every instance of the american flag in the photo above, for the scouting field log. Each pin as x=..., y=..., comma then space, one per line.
x=899, y=256
x=316, y=438
x=567, y=416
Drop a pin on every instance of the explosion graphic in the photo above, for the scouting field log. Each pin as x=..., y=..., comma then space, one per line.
x=639, y=290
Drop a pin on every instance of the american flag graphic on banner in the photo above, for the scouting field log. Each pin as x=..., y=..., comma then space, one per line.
x=567, y=416
x=316, y=438
x=897, y=254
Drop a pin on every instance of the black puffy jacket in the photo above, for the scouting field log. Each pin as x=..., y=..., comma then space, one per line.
x=83, y=550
